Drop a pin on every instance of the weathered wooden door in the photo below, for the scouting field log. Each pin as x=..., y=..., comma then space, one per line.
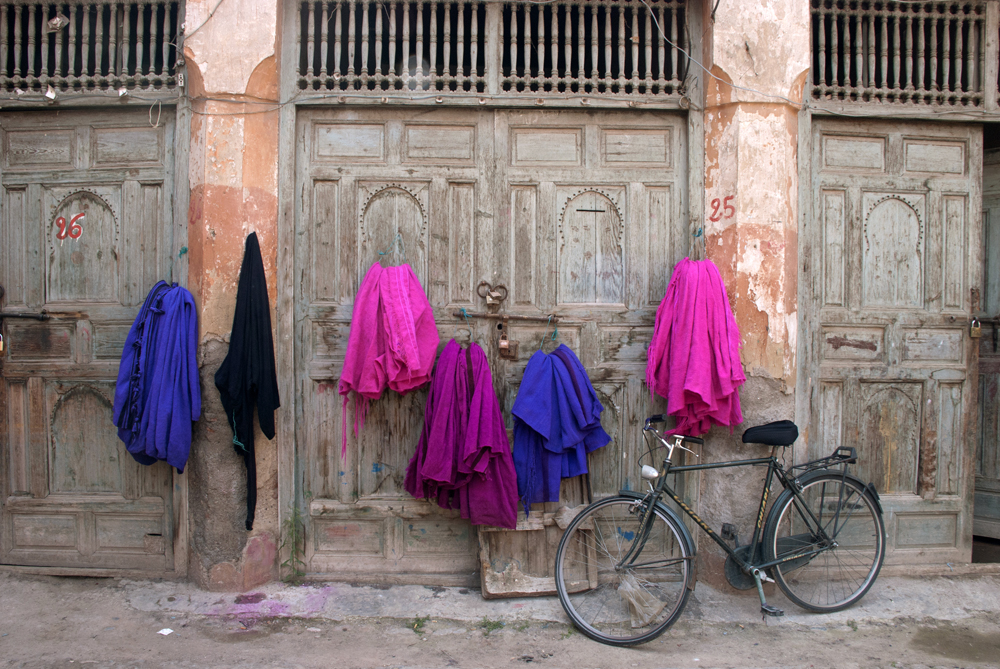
x=85, y=232
x=596, y=226
x=987, y=499
x=892, y=258
x=364, y=177
x=577, y=214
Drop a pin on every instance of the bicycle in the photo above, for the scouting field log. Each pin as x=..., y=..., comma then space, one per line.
x=624, y=567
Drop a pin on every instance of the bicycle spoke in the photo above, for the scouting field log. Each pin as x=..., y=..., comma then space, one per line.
x=627, y=602
x=657, y=563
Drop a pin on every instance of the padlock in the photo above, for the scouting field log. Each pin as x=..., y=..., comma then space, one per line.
x=1, y=343
x=975, y=329
x=507, y=348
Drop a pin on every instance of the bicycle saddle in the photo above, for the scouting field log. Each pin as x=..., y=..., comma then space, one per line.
x=778, y=433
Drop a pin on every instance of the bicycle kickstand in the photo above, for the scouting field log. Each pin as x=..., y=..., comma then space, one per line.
x=765, y=608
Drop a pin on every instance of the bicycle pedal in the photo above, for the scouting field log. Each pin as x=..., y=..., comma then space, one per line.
x=773, y=611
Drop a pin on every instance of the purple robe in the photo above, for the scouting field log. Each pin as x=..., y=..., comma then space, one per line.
x=557, y=422
x=463, y=459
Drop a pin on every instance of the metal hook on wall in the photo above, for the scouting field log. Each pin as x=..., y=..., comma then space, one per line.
x=397, y=242
x=555, y=333
x=698, y=250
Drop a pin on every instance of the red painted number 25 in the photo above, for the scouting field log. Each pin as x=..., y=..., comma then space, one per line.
x=727, y=211
x=73, y=230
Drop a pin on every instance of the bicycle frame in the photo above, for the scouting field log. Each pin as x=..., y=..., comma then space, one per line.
x=773, y=468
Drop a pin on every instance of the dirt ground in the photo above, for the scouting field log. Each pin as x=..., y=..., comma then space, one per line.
x=84, y=623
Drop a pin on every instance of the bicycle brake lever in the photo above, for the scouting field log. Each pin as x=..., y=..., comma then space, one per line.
x=684, y=448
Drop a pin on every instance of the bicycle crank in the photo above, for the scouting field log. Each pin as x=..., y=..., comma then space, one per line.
x=738, y=578
x=765, y=608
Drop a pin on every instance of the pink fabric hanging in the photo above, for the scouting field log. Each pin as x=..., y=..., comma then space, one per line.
x=392, y=343
x=694, y=357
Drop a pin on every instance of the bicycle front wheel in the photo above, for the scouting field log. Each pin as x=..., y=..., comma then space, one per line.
x=836, y=528
x=612, y=593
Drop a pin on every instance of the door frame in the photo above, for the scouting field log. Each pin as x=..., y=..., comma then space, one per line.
x=179, y=273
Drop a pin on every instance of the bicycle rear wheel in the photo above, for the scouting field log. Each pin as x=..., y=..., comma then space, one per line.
x=836, y=571
x=614, y=597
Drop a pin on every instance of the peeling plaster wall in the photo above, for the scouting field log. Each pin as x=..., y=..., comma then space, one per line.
x=229, y=46
x=233, y=171
x=751, y=164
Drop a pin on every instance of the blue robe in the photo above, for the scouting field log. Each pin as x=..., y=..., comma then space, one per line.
x=158, y=393
x=557, y=422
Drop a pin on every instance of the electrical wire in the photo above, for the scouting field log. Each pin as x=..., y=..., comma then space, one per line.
x=207, y=19
x=694, y=60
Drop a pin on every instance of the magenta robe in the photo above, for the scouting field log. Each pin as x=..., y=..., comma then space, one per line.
x=463, y=459
x=694, y=356
x=392, y=342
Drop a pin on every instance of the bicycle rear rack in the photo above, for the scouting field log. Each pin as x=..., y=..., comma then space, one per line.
x=845, y=455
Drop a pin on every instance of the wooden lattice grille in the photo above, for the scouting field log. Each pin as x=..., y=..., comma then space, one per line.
x=88, y=46
x=391, y=46
x=905, y=53
x=595, y=47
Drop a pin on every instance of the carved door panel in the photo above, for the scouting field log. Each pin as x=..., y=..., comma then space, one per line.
x=86, y=231
x=892, y=260
x=987, y=498
x=579, y=215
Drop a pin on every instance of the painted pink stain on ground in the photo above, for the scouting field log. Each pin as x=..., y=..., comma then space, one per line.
x=316, y=601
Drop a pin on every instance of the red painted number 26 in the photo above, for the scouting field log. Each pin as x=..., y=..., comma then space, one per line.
x=73, y=230
x=727, y=210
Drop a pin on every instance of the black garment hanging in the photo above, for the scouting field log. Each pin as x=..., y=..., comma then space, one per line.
x=247, y=375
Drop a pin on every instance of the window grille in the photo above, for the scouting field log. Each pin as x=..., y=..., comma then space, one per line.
x=392, y=46
x=901, y=53
x=594, y=47
x=88, y=46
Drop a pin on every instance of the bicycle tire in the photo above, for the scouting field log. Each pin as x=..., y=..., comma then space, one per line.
x=840, y=575
x=623, y=606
